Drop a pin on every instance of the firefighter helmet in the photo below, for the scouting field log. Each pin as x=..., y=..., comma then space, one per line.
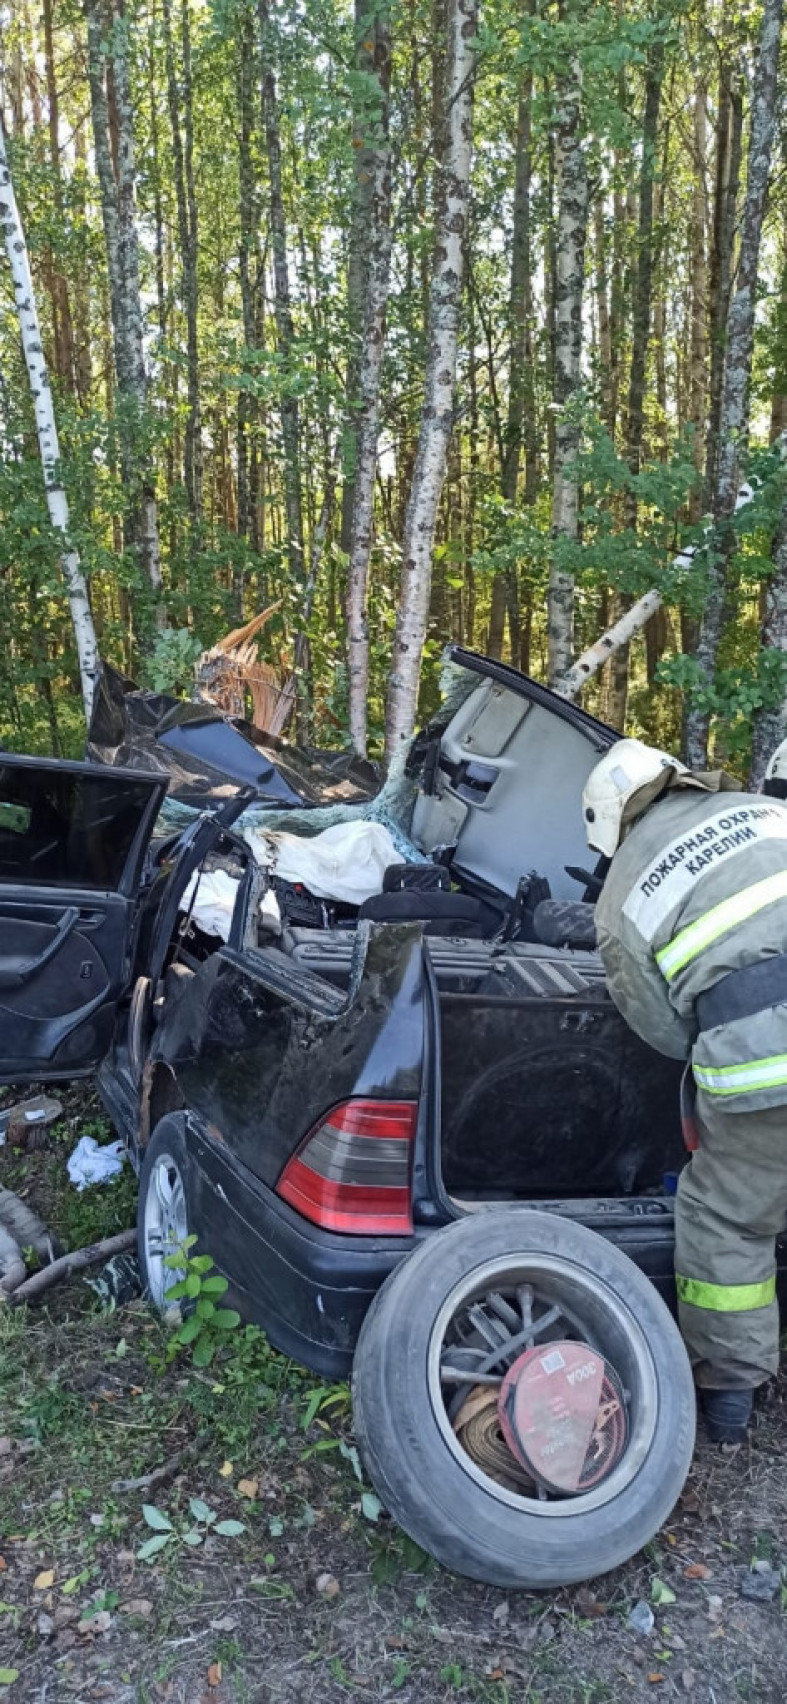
x=626, y=780
x=775, y=782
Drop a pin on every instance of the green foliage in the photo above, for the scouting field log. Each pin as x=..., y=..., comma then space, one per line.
x=205, y=1328
x=219, y=567
x=204, y=1523
x=169, y=665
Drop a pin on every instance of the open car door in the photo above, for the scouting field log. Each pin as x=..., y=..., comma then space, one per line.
x=500, y=775
x=73, y=838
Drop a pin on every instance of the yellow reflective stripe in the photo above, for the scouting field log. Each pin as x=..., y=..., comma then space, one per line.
x=690, y=941
x=742, y=1079
x=726, y=1298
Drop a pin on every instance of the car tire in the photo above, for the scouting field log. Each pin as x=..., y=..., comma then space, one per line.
x=165, y=1166
x=432, y=1487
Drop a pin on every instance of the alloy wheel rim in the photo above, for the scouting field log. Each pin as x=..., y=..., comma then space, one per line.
x=166, y=1226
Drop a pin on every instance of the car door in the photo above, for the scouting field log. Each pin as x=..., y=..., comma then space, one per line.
x=73, y=839
x=500, y=774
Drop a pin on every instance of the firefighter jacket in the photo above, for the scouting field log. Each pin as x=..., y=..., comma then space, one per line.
x=698, y=890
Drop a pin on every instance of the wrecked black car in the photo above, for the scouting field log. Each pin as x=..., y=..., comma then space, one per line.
x=397, y=1122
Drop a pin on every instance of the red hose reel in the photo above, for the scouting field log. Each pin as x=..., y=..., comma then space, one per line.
x=563, y=1415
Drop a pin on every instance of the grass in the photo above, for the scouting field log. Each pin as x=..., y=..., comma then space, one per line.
x=89, y=1398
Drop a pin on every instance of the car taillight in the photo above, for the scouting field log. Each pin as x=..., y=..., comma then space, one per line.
x=352, y=1172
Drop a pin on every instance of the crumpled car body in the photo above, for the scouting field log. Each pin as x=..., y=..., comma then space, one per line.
x=346, y=1086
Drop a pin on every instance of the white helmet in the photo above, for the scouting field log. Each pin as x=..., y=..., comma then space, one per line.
x=626, y=780
x=775, y=781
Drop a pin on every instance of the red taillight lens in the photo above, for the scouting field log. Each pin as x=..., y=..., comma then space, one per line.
x=352, y=1173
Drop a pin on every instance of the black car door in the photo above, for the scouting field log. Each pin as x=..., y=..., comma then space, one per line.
x=73, y=838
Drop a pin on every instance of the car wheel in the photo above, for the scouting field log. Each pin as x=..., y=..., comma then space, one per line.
x=162, y=1213
x=429, y=1366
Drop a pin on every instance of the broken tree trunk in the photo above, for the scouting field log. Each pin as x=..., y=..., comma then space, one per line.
x=68, y=1263
x=46, y=428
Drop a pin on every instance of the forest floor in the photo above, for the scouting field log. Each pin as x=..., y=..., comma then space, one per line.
x=320, y=1597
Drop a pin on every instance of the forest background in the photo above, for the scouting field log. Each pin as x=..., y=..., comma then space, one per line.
x=422, y=323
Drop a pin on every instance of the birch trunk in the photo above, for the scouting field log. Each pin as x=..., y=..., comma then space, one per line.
x=569, y=284
x=734, y=422
x=367, y=425
x=438, y=408
x=46, y=429
x=285, y=330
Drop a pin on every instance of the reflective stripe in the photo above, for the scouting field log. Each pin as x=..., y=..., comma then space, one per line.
x=726, y=1298
x=690, y=941
x=740, y=1079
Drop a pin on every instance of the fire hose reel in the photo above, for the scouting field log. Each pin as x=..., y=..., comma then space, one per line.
x=563, y=1415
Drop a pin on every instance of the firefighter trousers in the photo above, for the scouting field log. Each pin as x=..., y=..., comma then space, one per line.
x=732, y=1201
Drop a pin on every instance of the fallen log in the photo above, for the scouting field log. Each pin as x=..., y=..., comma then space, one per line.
x=70, y=1263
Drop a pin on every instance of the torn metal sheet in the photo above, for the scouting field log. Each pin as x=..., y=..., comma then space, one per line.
x=205, y=756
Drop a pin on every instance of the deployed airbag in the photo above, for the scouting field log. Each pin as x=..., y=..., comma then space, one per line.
x=346, y=863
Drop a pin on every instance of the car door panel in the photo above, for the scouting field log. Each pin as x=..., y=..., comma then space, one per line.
x=73, y=838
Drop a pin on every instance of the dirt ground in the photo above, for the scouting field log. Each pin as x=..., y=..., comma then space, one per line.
x=319, y=1597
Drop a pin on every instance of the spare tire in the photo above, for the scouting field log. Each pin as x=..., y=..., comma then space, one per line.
x=466, y=1509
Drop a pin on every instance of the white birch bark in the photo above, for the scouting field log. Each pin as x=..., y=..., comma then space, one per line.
x=569, y=283
x=437, y=415
x=46, y=428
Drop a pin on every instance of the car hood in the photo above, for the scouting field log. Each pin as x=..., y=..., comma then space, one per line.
x=206, y=757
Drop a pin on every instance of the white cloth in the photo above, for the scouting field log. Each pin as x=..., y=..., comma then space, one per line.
x=346, y=862
x=213, y=895
x=214, y=903
x=90, y=1163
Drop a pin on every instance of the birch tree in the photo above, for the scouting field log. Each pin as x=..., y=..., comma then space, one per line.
x=46, y=428
x=572, y=216
x=367, y=425
x=734, y=421
x=438, y=407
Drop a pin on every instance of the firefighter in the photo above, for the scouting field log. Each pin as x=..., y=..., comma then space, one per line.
x=692, y=928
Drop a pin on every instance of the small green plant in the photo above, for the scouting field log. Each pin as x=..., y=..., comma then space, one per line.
x=166, y=1535
x=206, y=1325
